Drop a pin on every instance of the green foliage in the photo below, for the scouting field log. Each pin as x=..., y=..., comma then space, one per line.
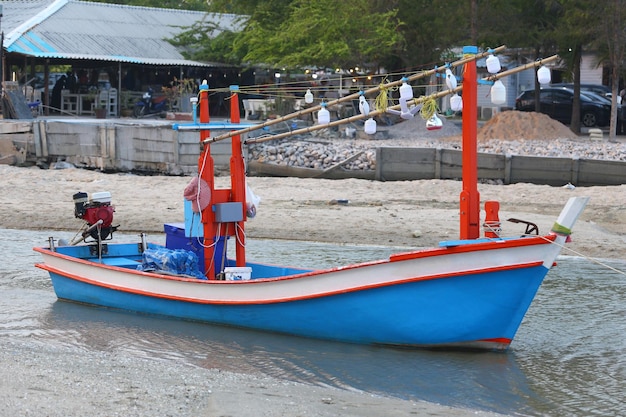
x=430, y=28
x=205, y=41
x=242, y=7
x=395, y=34
x=323, y=33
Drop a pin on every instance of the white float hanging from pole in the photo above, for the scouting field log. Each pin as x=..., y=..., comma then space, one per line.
x=456, y=103
x=450, y=79
x=370, y=126
x=498, y=93
x=323, y=116
x=308, y=96
x=434, y=123
x=406, y=95
x=493, y=64
x=364, y=109
x=406, y=91
x=543, y=75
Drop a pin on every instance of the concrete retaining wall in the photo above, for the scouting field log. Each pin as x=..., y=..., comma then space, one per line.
x=110, y=146
x=416, y=163
x=157, y=148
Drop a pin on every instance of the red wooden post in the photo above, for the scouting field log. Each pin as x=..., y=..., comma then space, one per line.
x=470, y=198
x=238, y=179
x=206, y=172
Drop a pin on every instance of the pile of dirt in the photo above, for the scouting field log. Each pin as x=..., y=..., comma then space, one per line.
x=519, y=125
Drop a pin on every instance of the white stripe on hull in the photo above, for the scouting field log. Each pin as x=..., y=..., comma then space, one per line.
x=316, y=284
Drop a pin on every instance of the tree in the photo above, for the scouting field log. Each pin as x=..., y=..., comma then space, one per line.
x=403, y=35
x=576, y=30
x=206, y=41
x=431, y=29
x=613, y=35
x=298, y=33
x=536, y=31
x=322, y=33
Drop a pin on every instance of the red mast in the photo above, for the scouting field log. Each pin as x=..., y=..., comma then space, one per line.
x=470, y=198
x=206, y=172
x=238, y=179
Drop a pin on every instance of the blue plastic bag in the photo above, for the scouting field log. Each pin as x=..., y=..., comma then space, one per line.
x=171, y=261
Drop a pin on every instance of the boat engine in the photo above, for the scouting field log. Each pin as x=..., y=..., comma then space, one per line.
x=97, y=212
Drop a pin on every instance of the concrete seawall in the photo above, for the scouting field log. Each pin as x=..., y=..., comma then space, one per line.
x=150, y=146
x=153, y=146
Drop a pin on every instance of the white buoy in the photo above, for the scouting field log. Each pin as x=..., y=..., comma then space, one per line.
x=498, y=93
x=370, y=126
x=323, y=116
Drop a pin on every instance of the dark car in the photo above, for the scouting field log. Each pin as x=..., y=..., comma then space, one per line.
x=557, y=103
x=599, y=89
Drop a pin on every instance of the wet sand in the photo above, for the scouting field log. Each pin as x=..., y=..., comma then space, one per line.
x=44, y=381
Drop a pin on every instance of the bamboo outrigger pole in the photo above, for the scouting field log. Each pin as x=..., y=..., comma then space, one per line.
x=373, y=113
x=356, y=95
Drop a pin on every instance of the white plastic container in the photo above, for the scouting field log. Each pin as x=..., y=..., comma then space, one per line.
x=498, y=93
x=370, y=126
x=323, y=116
x=101, y=197
x=237, y=273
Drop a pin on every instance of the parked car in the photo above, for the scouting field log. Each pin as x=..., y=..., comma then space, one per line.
x=621, y=111
x=599, y=89
x=556, y=102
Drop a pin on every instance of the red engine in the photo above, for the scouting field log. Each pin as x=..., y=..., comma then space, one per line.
x=97, y=212
x=104, y=213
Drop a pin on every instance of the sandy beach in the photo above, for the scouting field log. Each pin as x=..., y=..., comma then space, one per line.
x=412, y=214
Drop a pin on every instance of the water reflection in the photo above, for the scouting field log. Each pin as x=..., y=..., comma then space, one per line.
x=491, y=381
x=572, y=340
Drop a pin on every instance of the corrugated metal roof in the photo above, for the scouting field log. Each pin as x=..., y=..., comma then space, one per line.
x=71, y=29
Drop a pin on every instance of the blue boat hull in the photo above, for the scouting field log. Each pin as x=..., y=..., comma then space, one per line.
x=474, y=310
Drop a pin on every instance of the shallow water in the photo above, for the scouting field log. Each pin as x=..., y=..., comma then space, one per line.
x=568, y=358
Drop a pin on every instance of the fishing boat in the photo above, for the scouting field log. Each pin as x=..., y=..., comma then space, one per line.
x=467, y=293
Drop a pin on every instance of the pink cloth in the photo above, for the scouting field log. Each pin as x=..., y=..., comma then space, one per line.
x=199, y=199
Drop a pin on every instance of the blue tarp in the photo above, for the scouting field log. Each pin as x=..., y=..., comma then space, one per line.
x=171, y=261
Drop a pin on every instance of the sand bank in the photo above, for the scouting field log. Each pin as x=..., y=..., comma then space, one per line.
x=411, y=214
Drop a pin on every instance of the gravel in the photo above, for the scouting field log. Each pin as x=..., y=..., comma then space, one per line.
x=511, y=133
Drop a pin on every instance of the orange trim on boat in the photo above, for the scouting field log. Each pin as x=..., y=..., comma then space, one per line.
x=473, y=247
x=277, y=300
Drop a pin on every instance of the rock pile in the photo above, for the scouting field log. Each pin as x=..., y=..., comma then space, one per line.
x=510, y=132
x=315, y=154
